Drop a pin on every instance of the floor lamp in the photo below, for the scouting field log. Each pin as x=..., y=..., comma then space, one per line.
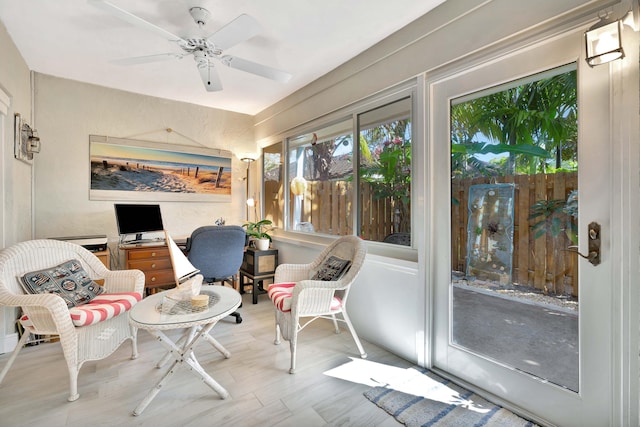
x=248, y=161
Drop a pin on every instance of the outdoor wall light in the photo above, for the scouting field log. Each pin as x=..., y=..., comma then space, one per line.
x=604, y=41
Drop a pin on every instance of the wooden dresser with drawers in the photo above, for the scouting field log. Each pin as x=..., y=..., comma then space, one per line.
x=154, y=262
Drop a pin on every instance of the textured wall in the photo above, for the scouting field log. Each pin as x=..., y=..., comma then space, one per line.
x=67, y=112
x=15, y=178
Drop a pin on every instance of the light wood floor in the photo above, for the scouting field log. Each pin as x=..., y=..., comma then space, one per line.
x=263, y=393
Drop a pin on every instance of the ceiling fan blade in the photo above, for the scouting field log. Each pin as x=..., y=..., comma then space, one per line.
x=255, y=68
x=147, y=59
x=209, y=76
x=132, y=19
x=240, y=29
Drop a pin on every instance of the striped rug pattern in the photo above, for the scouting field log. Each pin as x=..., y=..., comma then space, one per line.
x=435, y=401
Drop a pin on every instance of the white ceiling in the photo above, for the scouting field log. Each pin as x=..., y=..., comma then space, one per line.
x=307, y=38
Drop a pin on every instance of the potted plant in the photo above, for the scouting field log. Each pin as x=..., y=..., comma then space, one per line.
x=259, y=233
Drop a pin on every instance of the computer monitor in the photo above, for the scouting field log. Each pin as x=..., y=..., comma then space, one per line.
x=137, y=219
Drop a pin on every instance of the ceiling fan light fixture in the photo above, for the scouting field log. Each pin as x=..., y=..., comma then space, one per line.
x=199, y=15
x=204, y=49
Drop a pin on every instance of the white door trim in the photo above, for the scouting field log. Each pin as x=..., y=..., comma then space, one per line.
x=617, y=389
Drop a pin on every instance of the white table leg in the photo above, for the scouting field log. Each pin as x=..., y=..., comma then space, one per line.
x=180, y=343
x=183, y=352
x=197, y=369
x=167, y=356
x=154, y=391
x=211, y=340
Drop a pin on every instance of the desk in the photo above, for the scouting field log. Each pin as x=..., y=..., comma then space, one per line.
x=104, y=257
x=154, y=261
x=258, y=266
x=148, y=314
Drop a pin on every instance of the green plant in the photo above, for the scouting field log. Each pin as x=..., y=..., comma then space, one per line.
x=555, y=217
x=260, y=229
x=388, y=168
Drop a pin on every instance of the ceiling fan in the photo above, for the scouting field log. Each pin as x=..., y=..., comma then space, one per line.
x=204, y=49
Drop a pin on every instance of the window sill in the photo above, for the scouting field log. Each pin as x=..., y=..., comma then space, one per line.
x=374, y=248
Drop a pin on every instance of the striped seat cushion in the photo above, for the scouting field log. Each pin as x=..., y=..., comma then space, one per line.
x=281, y=295
x=102, y=307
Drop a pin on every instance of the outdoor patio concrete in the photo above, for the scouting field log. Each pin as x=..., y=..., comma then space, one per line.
x=534, y=338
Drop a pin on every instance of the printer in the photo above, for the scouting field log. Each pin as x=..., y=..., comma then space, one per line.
x=95, y=243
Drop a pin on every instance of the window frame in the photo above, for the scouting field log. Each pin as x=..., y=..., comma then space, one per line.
x=412, y=89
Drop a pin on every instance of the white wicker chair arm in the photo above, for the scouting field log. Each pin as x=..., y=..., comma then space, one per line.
x=48, y=312
x=291, y=273
x=333, y=285
x=124, y=281
x=314, y=296
x=29, y=300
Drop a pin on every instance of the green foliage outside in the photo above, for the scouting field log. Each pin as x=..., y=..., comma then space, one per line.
x=531, y=128
x=556, y=217
x=387, y=167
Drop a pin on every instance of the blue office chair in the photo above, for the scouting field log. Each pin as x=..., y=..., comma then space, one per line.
x=217, y=251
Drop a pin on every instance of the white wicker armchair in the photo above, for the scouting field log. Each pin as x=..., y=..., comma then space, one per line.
x=49, y=313
x=317, y=298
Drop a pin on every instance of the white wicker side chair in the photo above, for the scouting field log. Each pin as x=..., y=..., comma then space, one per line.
x=296, y=296
x=48, y=314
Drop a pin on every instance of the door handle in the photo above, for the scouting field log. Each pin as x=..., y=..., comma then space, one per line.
x=594, y=245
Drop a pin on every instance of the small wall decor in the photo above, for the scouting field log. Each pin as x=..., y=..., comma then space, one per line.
x=26, y=140
x=126, y=169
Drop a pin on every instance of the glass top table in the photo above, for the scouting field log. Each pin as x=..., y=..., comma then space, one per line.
x=157, y=313
x=153, y=311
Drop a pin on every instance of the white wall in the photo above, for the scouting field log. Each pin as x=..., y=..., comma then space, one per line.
x=15, y=179
x=15, y=81
x=451, y=31
x=67, y=112
x=385, y=302
x=390, y=302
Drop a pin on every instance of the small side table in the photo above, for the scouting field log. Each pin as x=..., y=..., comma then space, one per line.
x=148, y=314
x=258, y=266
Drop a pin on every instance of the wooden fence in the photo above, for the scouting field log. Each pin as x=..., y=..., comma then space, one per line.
x=541, y=263
x=327, y=207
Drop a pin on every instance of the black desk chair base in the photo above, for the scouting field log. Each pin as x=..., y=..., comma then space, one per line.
x=230, y=280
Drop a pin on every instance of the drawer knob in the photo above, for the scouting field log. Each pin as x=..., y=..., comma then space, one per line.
x=153, y=266
x=153, y=279
x=153, y=254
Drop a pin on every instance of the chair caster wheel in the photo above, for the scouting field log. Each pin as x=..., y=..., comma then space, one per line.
x=238, y=319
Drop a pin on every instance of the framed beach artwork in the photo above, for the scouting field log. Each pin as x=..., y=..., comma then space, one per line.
x=126, y=169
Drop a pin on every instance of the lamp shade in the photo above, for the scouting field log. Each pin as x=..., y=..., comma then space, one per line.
x=604, y=42
x=298, y=186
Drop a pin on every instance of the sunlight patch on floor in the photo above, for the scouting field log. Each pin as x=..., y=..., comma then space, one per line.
x=405, y=380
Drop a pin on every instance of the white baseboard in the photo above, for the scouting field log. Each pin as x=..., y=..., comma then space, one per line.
x=9, y=343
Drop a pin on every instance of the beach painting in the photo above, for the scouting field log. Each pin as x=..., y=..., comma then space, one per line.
x=124, y=169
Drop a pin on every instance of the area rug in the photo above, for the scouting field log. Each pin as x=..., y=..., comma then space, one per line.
x=423, y=398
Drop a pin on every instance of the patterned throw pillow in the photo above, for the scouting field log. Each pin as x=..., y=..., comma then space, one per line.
x=332, y=268
x=68, y=280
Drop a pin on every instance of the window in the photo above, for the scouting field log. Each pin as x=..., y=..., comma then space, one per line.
x=385, y=173
x=338, y=187
x=321, y=180
x=273, y=184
